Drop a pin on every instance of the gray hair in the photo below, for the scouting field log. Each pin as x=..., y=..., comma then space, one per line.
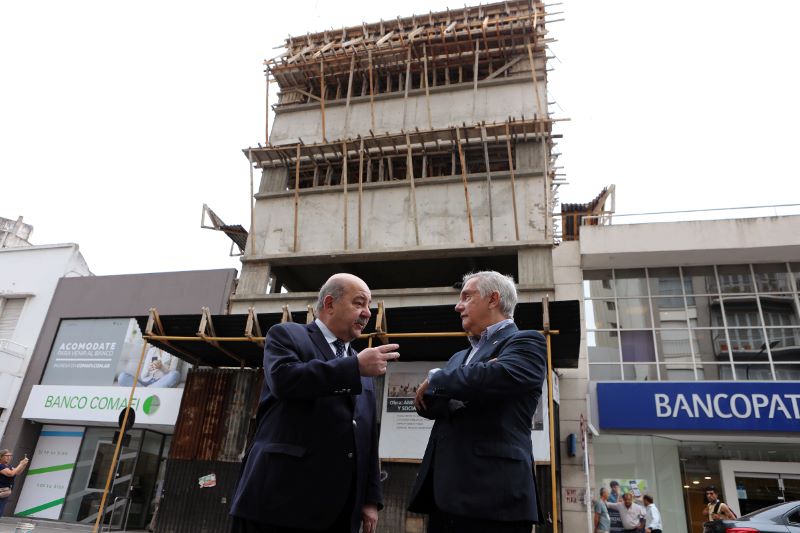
x=334, y=287
x=4, y=451
x=489, y=281
x=603, y=491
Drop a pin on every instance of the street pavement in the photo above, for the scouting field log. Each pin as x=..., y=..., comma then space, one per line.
x=8, y=525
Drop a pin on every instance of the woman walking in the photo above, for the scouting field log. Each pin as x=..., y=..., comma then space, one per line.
x=7, y=475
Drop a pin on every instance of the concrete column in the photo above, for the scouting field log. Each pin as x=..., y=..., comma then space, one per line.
x=254, y=279
x=274, y=180
x=535, y=266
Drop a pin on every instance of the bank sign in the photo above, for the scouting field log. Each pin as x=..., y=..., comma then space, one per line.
x=153, y=406
x=700, y=406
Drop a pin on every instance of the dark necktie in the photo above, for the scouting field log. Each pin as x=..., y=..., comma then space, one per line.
x=339, y=345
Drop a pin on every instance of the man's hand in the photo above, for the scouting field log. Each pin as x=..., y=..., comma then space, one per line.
x=156, y=365
x=372, y=361
x=419, y=398
x=369, y=518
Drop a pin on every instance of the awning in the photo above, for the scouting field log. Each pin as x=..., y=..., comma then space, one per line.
x=230, y=342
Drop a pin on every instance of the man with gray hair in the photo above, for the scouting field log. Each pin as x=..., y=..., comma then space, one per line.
x=477, y=472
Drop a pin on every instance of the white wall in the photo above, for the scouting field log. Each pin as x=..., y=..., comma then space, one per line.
x=748, y=240
x=31, y=272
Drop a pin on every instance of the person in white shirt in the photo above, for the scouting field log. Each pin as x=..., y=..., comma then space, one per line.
x=652, y=519
x=632, y=514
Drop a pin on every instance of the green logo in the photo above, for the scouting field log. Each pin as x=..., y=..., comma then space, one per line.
x=151, y=405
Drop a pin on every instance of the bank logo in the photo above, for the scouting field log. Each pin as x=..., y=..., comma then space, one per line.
x=151, y=405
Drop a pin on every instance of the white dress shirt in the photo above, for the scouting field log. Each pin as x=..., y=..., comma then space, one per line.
x=331, y=338
x=653, y=517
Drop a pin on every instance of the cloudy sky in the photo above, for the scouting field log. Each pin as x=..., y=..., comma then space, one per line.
x=118, y=120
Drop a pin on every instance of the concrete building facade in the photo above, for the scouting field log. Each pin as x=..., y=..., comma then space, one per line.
x=689, y=328
x=28, y=279
x=409, y=153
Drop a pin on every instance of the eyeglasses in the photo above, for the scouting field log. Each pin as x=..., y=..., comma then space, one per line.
x=8, y=455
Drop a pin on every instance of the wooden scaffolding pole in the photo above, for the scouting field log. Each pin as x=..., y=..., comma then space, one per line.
x=266, y=111
x=360, y=186
x=113, y=466
x=250, y=235
x=408, y=84
x=349, y=92
x=427, y=90
x=344, y=190
x=410, y=178
x=371, y=93
x=488, y=181
x=322, y=96
x=464, y=179
x=552, y=428
x=511, y=166
x=296, y=194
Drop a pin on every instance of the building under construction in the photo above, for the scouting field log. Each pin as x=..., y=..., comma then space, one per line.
x=407, y=152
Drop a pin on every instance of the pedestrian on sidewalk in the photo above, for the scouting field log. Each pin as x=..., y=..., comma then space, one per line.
x=652, y=518
x=602, y=522
x=7, y=475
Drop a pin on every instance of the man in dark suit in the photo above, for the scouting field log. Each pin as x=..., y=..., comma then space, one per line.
x=477, y=473
x=313, y=463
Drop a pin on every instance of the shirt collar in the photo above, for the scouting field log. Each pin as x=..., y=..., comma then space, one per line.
x=475, y=340
x=328, y=334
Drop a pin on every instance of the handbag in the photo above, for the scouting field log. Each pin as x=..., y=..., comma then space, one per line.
x=5, y=492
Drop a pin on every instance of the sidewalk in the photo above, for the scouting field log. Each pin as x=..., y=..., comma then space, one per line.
x=8, y=525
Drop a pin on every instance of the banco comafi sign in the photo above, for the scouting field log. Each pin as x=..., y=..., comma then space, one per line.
x=700, y=406
x=153, y=406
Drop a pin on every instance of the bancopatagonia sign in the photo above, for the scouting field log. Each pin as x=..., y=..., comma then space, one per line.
x=701, y=406
x=157, y=406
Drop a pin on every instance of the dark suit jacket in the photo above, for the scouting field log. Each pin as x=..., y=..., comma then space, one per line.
x=479, y=459
x=316, y=439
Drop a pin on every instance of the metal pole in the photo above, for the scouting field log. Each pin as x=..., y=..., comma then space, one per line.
x=113, y=467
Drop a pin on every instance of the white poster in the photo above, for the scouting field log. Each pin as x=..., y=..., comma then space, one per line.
x=50, y=470
x=404, y=434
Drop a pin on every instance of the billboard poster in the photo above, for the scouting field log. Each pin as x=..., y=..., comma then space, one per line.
x=51, y=468
x=617, y=488
x=404, y=434
x=103, y=352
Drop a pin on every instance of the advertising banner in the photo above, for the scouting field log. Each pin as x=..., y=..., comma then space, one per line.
x=49, y=473
x=700, y=406
x=404, y=434
x=102, y=405
x=106, y=351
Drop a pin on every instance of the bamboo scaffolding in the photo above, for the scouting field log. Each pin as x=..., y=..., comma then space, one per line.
x=296, y=195
x=511, y=165
x=466, y=189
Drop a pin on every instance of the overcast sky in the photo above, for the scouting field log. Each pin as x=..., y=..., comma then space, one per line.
x=118, y=120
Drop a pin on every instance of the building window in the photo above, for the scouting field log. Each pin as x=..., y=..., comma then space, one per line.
x=715, y=322
x=10, y=311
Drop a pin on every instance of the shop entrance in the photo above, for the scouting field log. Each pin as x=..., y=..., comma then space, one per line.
x=756, y=490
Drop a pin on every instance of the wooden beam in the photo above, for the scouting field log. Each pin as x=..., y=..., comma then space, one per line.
x=349, y=92
x=322, y=97
x=464, y=179
x=408, y=84
x=371, y=93
x=488, y=181
x=505, y=67
x=410, y=178
x=296, y=194
x=344, y=187
x=513, y=185
x=360, y=186
x=427, y=91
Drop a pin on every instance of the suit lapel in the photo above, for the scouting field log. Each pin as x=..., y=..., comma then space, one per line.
x=488, y=349
x=319, y=341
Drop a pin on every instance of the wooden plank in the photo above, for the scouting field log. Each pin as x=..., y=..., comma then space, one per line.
x=408, y=84
x=464, y=179
x=505, y=67
x=360, y=186
x=371, y=93
x=296, y=194
x=349, y=93
x=488, y=182
x=427, y=90
x=322, y=97
x=410, y=178
x=513, y=184
x=344, y=187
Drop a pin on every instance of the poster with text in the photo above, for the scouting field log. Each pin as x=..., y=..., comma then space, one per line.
x=404, y=434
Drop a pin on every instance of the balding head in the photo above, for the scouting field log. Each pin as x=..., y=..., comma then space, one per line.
x=343, y=305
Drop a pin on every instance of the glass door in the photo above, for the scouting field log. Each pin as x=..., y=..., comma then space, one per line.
x=791, y=487
x=757, y=490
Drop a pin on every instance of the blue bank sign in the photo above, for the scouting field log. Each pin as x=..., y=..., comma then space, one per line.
x=700, y=406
